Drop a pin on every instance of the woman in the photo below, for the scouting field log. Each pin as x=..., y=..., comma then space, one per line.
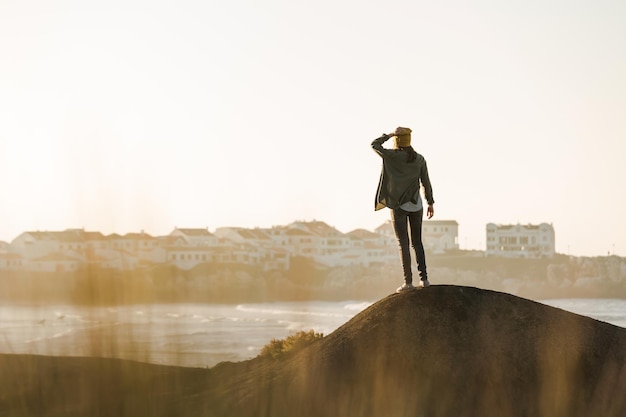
x=403, y=174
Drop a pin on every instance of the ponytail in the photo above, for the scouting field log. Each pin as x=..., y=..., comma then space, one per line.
x=411, y=155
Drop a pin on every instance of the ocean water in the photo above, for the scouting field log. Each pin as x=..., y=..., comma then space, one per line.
x=608, y=310
x=197, y=335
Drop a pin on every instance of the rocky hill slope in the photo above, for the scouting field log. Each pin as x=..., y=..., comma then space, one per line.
x=442, y=351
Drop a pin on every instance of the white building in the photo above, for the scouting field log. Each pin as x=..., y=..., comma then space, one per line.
x=55, y=262
x=328, y=245
x=520, y=241
x=133, y=242
x=244, y=235
x=38, y=244
x=188, y=257
x=373, y=248
x=119, y=259
x=362, y=237
x=11, y=261
x=196, y=237
x=297, y=241
x=266, y=251
x=438, y=236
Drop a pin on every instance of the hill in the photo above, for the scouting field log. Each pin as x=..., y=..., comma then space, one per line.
x=443, y=351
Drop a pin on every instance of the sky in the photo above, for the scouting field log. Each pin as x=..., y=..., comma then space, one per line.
x=121, y=116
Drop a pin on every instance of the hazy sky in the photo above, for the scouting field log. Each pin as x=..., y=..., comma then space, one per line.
x=119, y=116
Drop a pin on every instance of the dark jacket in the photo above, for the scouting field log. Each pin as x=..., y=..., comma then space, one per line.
x=400, y=181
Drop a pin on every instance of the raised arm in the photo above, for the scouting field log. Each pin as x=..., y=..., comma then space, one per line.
x=377, y=144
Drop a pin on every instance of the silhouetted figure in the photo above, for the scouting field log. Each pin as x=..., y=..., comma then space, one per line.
x=403, y=174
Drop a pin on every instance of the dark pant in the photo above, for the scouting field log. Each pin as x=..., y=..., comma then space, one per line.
x=403, y=221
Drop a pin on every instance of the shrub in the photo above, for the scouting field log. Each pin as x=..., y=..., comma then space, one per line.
x=279, y=347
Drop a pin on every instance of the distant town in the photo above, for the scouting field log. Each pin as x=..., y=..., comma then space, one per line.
x=300, y=260
x=266, y=248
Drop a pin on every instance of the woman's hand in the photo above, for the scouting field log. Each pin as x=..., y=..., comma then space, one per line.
x=430, y=212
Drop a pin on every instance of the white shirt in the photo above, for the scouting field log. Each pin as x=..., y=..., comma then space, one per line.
x=413, y=207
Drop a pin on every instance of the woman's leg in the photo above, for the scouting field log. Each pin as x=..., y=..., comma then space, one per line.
x=415, y=221
x=399, y=219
